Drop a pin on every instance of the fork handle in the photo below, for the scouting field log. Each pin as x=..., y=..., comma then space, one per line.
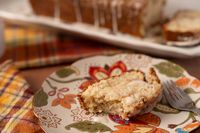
x=197, y=111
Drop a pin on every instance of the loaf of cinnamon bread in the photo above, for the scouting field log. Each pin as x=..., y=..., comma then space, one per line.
x=134, y=17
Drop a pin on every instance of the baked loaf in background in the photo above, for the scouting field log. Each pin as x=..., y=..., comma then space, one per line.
x=126, y=95
x=183, y=27
x=44, y=7
x=134, y=17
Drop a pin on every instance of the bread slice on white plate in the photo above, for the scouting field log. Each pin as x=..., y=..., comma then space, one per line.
x=126, y=95
x=184, y=26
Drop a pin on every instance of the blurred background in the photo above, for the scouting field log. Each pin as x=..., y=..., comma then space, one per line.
x=34, y=46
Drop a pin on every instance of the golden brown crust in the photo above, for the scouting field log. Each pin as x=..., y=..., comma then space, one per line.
x=155, y=76
x=87, y=11
x=81, y=102
x=67, y=11
x=42, y=8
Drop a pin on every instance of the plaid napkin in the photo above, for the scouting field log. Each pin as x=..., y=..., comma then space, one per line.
x=16, y=114
x=31, y=47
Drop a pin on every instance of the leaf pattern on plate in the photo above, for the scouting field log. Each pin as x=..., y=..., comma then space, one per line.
x=145, y=119
x=165, y=109
x=89, y=126
x=138, y=128
x=65, y=72
x=40, y=98
x=170, y=69
x=190, y=91
x=149, y=118
x=64, y=100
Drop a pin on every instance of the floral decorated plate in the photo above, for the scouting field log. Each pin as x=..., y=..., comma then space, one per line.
x=58, y=109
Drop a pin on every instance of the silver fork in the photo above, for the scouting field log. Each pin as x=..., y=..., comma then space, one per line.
x=178, y=99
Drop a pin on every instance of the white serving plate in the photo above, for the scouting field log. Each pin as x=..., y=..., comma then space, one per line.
x=20, y=11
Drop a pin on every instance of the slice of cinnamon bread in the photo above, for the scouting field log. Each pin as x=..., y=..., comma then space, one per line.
x=125, y=95
x=183, y=27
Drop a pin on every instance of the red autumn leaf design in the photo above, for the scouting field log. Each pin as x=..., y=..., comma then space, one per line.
x=160, y=130
x=146, y=119
x=98, y=73
x=119, y=66
x=86, y=84
x=119, y=120
x=135, y=128
x=149, y=118
x=125, y=128
x=138, y=128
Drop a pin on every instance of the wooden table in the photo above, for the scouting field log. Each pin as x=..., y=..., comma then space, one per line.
x=35, y=77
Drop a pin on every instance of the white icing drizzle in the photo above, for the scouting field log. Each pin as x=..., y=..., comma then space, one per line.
x=102, y=13
x=96, y=13
x=57, y=10
x=119, y=9
x=136, y=5
x=77, y=10
x=102, y=18
x=114, y=16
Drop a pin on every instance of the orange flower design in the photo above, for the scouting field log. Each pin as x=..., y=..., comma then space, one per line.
x=149, y=118
x=64, y=100
x=97, y=73
x=183, y=81
x=196, y=83
x=139, y=128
